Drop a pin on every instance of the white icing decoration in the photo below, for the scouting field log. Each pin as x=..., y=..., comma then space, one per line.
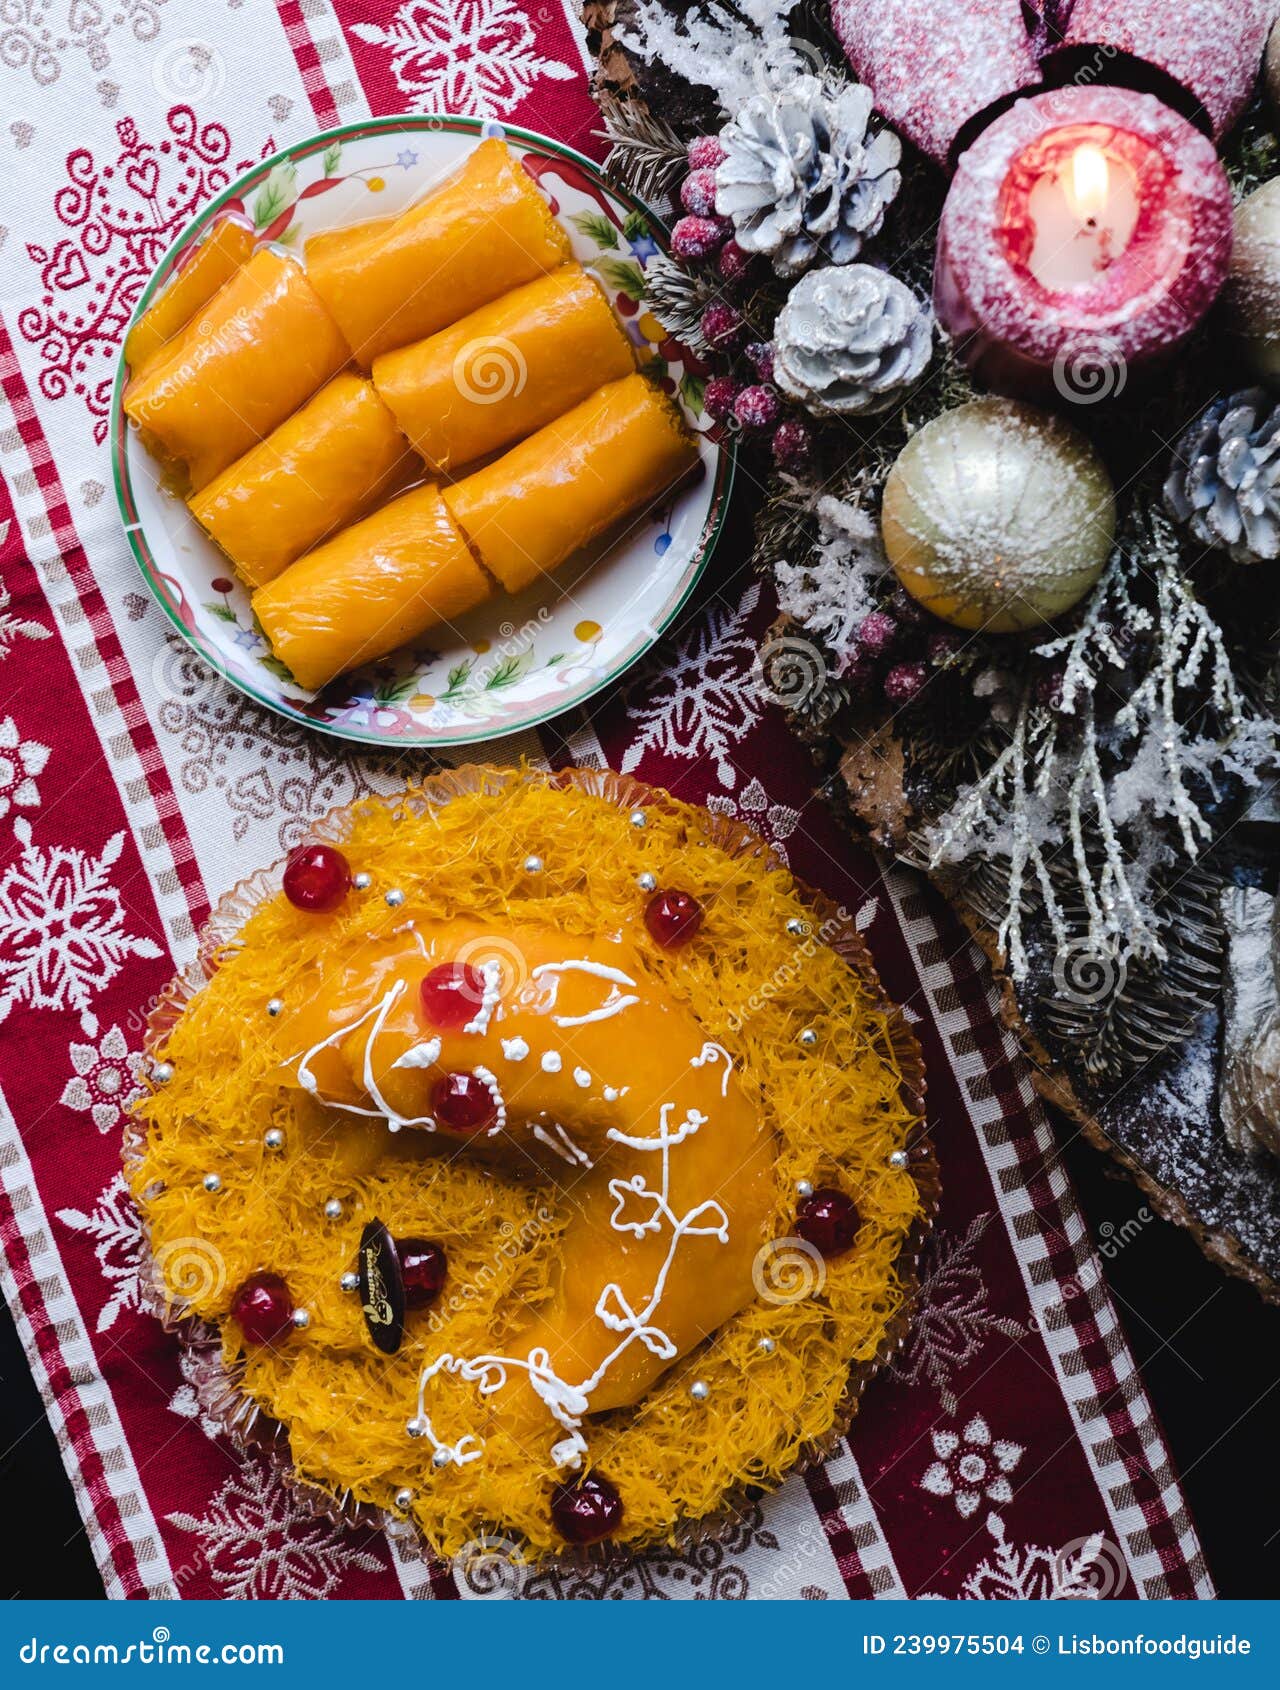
x=491, y=974
x=515, y=1050
x=424, y=1055
x=715, y=1053
x=378, y=1015
x=562, y=1144
x=582, y=1077
x=551, y=1062
x=614, y=1004
x=568, y=1404
x=489, y=1080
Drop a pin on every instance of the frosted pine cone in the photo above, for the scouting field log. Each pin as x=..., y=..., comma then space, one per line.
x=1225, y=480
x=802, y=178
x=850, y=340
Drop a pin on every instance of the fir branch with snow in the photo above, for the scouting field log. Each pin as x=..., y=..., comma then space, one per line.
x=734, y=51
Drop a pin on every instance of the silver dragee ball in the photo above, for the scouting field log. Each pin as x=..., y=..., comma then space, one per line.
x=998, y=516
x=1251, y=292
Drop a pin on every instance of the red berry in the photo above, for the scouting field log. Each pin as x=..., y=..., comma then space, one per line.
x=792, y=445
x=760, y=355
x=877, y=632
x=423, y=1268
x=451, y=994
x=463, y=1103
x=698, y=193
x=587, y=1511
x=828, y=1220
x=721, y=325
x=904, y=682
x=705, y=152
x=757, y=408
x=733, y=262
x=672, y=918
x=943, y=647
x=263, y=1310
x=316, y=878
x=718, y=397
x=698, y=237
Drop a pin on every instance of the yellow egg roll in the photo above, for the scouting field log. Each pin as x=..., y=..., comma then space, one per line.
x=374, y=587
x=262, y=346
x=532, y=508
x=505, y=370
x=324, y=467
x=487, y=230
x=227, y=246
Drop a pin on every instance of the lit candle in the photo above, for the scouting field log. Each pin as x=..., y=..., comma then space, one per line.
x=1087, y=232
x=1083, y=211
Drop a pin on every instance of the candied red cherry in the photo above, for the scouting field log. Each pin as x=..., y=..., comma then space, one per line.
x=828, y=1220
x=452, y=993
x=423, y=1268
x=263, y=1310
x=316, y=878
x=463, y=1103
x=672, y=918
x=586, y=1511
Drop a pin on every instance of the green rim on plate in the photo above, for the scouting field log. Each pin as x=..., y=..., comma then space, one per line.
x=169, y=597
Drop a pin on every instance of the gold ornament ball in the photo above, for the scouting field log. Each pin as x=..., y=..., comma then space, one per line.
x=1251, y=293
x=998, y=516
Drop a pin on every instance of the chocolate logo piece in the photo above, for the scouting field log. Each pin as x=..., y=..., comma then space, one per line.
x=381, y=1287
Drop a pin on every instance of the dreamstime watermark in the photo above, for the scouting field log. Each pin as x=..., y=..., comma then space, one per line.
x=778, y=68
x=156, y=1650
x=516, y=1241
x=790, y=671
x=179, y=677
x=788, y=1270
x=1084, y=975
x=1112, y=1241
x=810, y=941
x=1088, y=1569
x=1089, y=371
x=490, y=369
x=189, y=70
x=188, y=1271
x=490, y=1568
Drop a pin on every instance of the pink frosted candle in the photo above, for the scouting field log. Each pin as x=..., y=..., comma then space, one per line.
x=1210, y=47
x=1087, y=232
x=933, y=68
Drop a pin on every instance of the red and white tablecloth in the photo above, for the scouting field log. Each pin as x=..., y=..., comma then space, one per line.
x=1011, y=1452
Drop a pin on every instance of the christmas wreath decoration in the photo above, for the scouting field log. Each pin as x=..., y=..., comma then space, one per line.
x=1028, y=600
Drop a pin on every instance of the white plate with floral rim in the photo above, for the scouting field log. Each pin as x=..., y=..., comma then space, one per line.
x=518, y=661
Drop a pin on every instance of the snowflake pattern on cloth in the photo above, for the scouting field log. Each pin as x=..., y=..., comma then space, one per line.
x=14, y=628
x=474, y=58
x=105, y=1081
x=706, y=699
x=62, y=932
x=775, y=823
x=259, y=1542
x=116, y=1231
x=953, y=1319
x=1086, y=1570
x=21, y=760
x=972, y=1465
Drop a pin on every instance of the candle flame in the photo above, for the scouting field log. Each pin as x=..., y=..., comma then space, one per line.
x=1087, y=182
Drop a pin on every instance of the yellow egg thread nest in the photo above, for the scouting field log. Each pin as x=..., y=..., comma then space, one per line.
x=837, y=1111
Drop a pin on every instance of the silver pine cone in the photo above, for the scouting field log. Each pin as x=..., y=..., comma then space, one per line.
x=850, y=340
x=802, y=178
x=1224, y=484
